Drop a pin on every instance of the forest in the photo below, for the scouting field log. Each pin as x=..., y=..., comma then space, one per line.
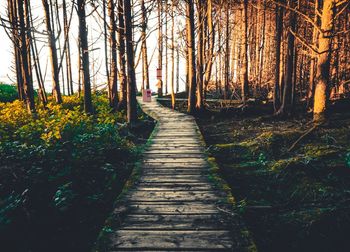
x=266, y=82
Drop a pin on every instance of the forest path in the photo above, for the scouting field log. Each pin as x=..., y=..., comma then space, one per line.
x=174, y=206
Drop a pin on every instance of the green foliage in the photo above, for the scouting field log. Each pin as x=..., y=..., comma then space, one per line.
x=8, y=93
x=66, y=162
x=347, y=159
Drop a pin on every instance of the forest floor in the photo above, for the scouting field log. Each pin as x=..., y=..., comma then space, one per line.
x=295, y=200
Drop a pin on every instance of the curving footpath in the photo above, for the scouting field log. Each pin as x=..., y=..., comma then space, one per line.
x=174, y=206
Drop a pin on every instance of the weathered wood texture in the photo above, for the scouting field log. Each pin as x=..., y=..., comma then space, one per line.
x=174, y=206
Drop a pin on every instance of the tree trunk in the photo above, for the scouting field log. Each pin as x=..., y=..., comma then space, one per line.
x=68, y=53
x=191, y=56
x=121, y=59
x=279, y=27
x=245, y=88
x=113, y=44
x=53, y=54
x=85, y=56
x=172, y=56
x=160, y=47
x=25, y=56
x=323, y=61
x=287, y=90
x=144, y=44
x=131, y=83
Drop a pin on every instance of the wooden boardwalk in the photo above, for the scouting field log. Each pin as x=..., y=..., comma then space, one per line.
x=174, y=206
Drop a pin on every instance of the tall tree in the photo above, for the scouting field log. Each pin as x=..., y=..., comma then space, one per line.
x=56, y=92
x=323, y=60
x=191, y=55
x=245, y=87
x=131, y=81
x=84, y=47
x=160, y=46
x=278, y=38
x=121, y=59
x=113, y=78
x=286, y=106
x=144, y=44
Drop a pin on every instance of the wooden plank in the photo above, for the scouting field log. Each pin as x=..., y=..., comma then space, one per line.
x=183, y=196
x=173, y=208
x=171, y=239
x=174, y=187
x=175, y=222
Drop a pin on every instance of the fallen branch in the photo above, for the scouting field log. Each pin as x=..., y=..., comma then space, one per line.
x=307, y=133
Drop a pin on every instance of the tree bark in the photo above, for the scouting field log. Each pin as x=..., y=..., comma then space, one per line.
x=121, y=59
x=323, y=61
x=113, y=44
x=85, y=56
x=191, y=56
x=245, y=87
x=131, y=82
x=56, y=92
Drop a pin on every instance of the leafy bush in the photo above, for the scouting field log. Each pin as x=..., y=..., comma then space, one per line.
x=56, y=164
x=8, y=93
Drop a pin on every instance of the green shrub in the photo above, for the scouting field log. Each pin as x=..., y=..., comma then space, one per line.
x=8, y=93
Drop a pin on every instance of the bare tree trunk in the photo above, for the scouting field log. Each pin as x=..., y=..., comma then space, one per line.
x=323, y=61
x=144, y=44
x=85, y=56
x=53, y=54
x=279, y=27
x=287, y=91
x=200, y=49
x=113, y=44
x=122, y=61
x=311, y=90
x=166, y=47
x=160, y=47
x=191, y=55
x=227, y=51
x=131, y=83
x=25, y=56
x=68, y=52
x=245, y=88
x=172, y=55
x=209, y=63
x=34, y=49
x=105, y=28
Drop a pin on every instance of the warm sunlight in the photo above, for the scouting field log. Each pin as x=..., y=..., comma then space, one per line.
x=159, y=125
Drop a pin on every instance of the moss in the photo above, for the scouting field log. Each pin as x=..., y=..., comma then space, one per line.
x=281, y=164
x=317, y=151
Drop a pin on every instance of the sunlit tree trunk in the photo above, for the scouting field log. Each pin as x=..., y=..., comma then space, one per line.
x=279, y=27
x=144, y=44
x=323, y=61
x=172, y=56
x=245, y=88
x=200, y=48
x=311, y=89
x=191, y=56
x=160, y=47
